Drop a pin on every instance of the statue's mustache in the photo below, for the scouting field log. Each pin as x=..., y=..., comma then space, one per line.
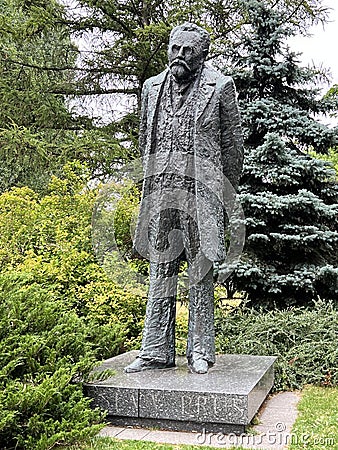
x=180, y=62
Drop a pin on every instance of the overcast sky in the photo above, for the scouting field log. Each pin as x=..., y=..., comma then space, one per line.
x=322, y=47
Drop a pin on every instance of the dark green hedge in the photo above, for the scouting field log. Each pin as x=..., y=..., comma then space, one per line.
x=45, y=350
x=305, y=340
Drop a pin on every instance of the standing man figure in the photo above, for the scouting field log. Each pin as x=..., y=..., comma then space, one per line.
x=191, y=144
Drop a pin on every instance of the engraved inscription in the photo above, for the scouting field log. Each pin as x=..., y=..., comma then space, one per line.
x=116, y=401
x=154, y=399
x=193, y=406
x=221, y=407
x=125, y=403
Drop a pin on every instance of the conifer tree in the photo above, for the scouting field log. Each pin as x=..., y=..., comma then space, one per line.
x=120, y=44
x=35, y=123
x=126, y=43
x=289, y=198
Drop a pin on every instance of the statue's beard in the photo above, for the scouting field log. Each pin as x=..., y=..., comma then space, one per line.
x=180, y=70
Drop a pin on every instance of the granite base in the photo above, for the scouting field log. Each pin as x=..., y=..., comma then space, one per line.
x=223, y=400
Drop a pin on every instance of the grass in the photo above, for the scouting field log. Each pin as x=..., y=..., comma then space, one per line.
x=316, y=427
x=115, y=444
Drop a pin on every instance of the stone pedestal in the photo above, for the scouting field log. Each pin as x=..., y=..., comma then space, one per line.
x=223, y=400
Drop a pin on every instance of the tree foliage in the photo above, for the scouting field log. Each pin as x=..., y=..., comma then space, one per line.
x=81, y=101
x=330, y=157
x=32, y=118
x=289, y=198
x=39, y=130
x=131, y=36
x=32, y=45
x=44, y=347
x=276, y=93
x=122, y=43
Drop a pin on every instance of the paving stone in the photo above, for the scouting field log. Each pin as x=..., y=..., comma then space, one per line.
x=275, y=418
x=282, y=400
x=110, y=431
x=134, y=433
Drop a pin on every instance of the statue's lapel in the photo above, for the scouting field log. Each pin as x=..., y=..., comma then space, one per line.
x=154, y=93
x=206, y=91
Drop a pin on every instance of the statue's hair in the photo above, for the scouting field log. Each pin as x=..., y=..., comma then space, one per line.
x=188, y=26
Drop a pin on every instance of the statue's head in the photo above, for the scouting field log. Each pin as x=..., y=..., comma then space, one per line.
x=188, y=48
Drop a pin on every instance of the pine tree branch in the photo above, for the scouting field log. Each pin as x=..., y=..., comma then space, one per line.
x=64, y=91
x=114, y=18
x=60, y=69
x=294, y=12
x=150, y=59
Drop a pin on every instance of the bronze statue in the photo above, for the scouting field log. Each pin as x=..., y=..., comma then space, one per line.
x=189, y=134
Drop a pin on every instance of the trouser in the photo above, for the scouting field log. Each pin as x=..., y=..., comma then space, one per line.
x=158, y=341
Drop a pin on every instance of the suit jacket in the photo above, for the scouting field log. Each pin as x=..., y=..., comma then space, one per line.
x=218, y=153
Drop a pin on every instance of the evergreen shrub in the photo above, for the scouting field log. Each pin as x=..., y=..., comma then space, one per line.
x=60, y=314
x=304, y=339
x=46, y=351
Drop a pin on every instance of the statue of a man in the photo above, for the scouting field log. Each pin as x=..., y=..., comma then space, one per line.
x=190, y=137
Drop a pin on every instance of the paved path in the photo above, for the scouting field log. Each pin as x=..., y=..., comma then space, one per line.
x=275, y=420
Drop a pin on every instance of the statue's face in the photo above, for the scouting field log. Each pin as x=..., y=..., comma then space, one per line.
x=185, y=54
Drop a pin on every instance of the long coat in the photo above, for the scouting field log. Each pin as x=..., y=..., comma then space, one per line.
x=218, y=153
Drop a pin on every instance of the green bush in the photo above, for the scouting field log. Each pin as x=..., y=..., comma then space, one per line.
x=304, y=339
x=50, y=238
x=46, y=350
x=60, y=313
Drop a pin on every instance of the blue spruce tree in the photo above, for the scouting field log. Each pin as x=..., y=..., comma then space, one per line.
x=289, y=198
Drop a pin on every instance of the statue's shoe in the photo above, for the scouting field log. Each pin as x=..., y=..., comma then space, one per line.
x=198, y=366
x=141, y=364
